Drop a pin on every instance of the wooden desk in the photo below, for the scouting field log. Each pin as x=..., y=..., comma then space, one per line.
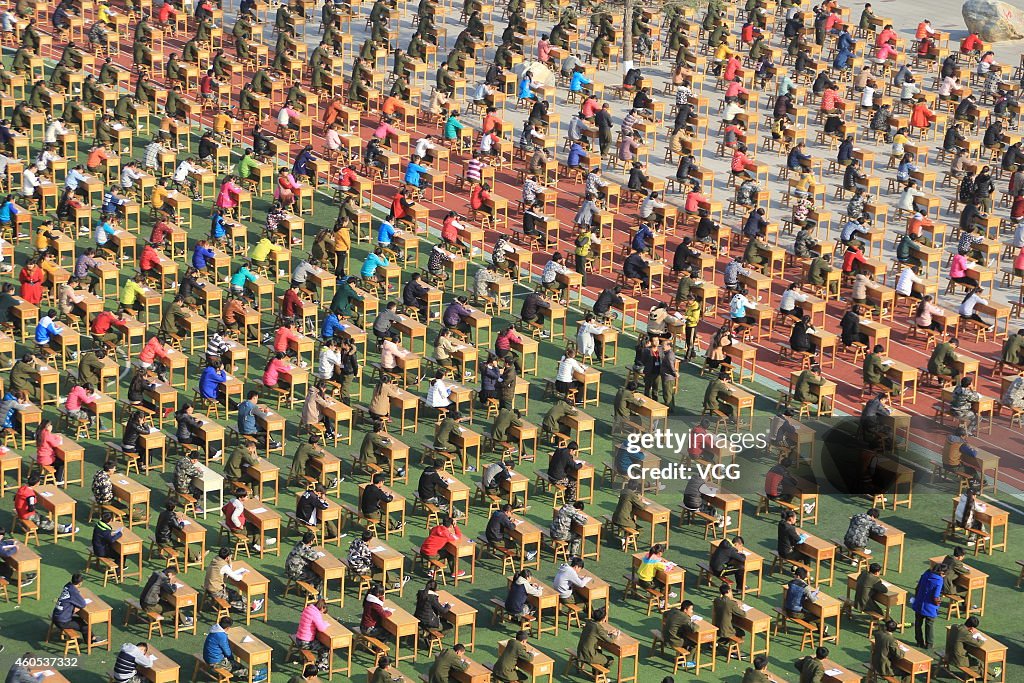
x=756, y=623
x=95, y=615
x=401, y=624
x=57, y=504
x=336, y=637
x=669, y=577
x=163, y=669
x=655, y=514
x=385, y=558
x=250, y=650
x=252, y=586
x=894, y=597
x=893, y=538
x=527, y=534
x=820, y=551
x=538, y=667
x=459, y=615
x=267, y=523
x=989, y=651
x=822, y=608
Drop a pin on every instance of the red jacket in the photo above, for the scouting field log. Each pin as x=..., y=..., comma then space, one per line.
x=102, y=322
x=291, y=305
x=438, y=537
x=25, y=501
x=149, y=258
x=373, y=613
x=851, y=257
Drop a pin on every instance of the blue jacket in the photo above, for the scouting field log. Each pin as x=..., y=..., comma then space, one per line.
x=516, y=599
x=45, y=331
x=928, y=594
x=216, y=647
x=103, y=537
x=247, y=417
x=332, y=326
x=69, y=599
x=413, y=173
x=578, y=81
x=795, y=596
x=623, y=459
x=217, y=229
x=209, y=380
x=7, y=210
x=301, y=161
x=200, y=255
x=385, y=233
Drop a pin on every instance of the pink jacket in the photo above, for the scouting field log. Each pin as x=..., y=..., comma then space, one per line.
x=958, y=267
x=228, y=196
x=152, y=350
x=384, y=130
x=273, y=370
x=78, y=397
x=310, y=621
x=44, y=451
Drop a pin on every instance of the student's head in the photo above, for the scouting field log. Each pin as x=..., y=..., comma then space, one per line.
x=522, y=636
x=789, y=516
x=873, y=513
x=77, y=578
x=224, y=553
x=972, y=622
x=226, y=622
x=760, y=663
x=821, y=653
x=725, y=589
x=874, y=568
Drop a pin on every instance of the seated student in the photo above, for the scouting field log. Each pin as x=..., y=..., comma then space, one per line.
x=798, y=593
x=595, y=632
x=69, y=603
x=728, y=559
x=104, y=536
x=868, y=589
x=217, y=651
x=725, y=608
x=374, y=500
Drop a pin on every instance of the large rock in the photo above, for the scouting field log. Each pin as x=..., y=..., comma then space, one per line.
x=993, y=20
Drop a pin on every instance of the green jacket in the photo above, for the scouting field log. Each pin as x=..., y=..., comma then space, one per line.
x=817, y=271
x=588, y=649
x=505, y=667
x=305, y=454
x=630, y=502
x=873, y=368
x=1013, y=349
x=506, y=418
x=446, y=662
x=805, y=389
x=752, y=675
x=675, y=625
x=237, y=461
x=717, y=391
x=723, y=610
x=558, y=411
x=812, y=670
x=956, y=638
x=868, y=586
x=942, y=357
x=884, y=653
